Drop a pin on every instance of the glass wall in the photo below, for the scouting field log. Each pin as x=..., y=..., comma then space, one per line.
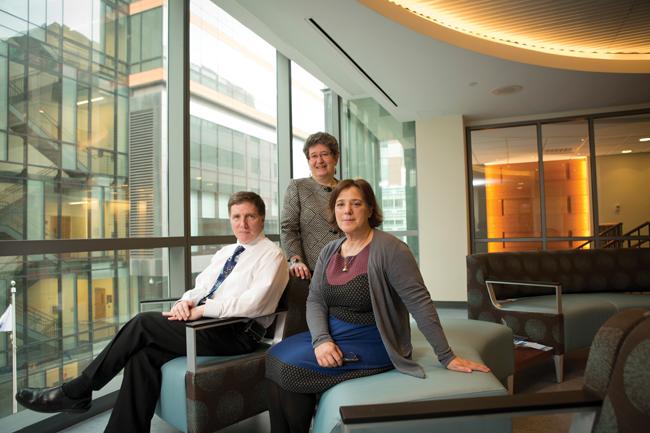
x=512, y=211
x=69, y=306
x=308, y=95
x=623, y=174
x=381, y=150
x=505, y=180
x=233, y=118
x=567, y=181
x=82, y=156
x=67, y=107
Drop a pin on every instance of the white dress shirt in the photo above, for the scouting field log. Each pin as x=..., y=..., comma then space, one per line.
x=252, y=289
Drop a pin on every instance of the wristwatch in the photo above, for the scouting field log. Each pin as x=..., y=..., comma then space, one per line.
x=294, y=260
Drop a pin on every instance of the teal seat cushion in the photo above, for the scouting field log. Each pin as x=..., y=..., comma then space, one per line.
x=584, y=313
x=624, y=301
x=172, y=405
x=468, y=338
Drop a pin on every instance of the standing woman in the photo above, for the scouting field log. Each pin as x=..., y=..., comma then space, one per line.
x=305, y=228
x=363, y=289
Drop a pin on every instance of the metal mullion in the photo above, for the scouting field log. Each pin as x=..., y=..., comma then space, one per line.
x=594, y=188
x=490, y=240
x=469, y=186
x=59, y=339
x=59, y=136
x=116, y=291
x=24, y=314
x=178, y=133
x=542, y=191
x=284, y=125
x=561, y=119
x=187, y=226
x=222, y=239
x=75, y=310
x=13, y=248
x=89, y=307
x=116, y=100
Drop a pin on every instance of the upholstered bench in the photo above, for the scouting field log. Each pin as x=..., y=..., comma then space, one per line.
x=557, y=298
x=489, y=343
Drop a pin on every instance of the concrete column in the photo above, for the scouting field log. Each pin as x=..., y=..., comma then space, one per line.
x=442, y=206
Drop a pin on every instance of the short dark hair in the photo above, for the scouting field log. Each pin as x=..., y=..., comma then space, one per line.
x=247, y=197
x=376, y=217
x=321, y=138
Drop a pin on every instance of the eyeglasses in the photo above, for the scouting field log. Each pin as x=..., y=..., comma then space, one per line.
x=320, y=155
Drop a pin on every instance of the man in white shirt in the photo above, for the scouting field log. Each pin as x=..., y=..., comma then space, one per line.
x=245, y=279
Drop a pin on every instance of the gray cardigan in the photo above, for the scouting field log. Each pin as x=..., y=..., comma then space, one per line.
x=304, y=226
x=396, y=289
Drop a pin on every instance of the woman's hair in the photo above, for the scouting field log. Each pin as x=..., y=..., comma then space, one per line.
x=321, y=138
x=376, y=217
x=247, y=197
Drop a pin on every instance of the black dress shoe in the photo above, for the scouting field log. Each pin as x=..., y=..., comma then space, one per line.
x=51, y=400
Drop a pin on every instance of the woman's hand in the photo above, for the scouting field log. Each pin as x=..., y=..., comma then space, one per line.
x=328, y=355
x=299, y=270
x=466, y=366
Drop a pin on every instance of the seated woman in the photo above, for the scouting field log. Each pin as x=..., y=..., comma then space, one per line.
x=363, y=288
x=305, y=228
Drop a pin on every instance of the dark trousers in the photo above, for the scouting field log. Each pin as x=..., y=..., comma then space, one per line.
x=141, y=347
x=290, y=412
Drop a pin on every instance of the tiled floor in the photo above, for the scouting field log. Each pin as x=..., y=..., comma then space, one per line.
x=537, y=378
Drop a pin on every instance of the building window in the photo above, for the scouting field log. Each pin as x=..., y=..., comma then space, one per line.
x=308, y=97
x=233, y=109
x=381, y=150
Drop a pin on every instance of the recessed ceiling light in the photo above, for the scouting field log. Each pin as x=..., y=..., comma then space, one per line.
x=626, y=151
x=507, y=90
x=644, y=139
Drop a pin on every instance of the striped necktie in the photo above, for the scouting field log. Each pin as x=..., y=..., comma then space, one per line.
x=227, y=269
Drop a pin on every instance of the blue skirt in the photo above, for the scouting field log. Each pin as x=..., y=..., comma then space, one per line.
x=292, y=363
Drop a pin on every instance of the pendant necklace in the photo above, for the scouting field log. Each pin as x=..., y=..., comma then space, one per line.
x=347, y=262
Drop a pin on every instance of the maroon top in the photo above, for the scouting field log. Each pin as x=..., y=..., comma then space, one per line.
x=355, y=265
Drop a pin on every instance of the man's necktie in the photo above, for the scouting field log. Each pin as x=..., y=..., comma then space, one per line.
x=227, y=269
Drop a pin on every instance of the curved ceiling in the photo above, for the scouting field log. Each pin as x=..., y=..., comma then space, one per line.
x=587, y=35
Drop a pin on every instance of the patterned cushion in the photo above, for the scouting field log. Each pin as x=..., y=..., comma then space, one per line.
x=626, y=407
x=605, y=349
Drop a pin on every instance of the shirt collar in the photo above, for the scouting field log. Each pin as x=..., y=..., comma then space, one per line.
x=254, y=242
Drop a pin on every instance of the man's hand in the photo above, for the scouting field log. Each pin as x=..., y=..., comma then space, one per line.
x=328, y=355
x=184, y=310
x=466, y=366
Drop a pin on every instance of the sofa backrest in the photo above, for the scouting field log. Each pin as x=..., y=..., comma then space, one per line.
x=589, y=271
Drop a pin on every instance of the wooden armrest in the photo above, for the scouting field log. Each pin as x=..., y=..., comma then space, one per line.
x=432, y=409
x=550, y=284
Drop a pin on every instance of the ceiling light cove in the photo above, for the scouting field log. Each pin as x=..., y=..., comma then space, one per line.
x=578, y=35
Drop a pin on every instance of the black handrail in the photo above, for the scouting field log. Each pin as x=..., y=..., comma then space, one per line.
x=616, y=228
